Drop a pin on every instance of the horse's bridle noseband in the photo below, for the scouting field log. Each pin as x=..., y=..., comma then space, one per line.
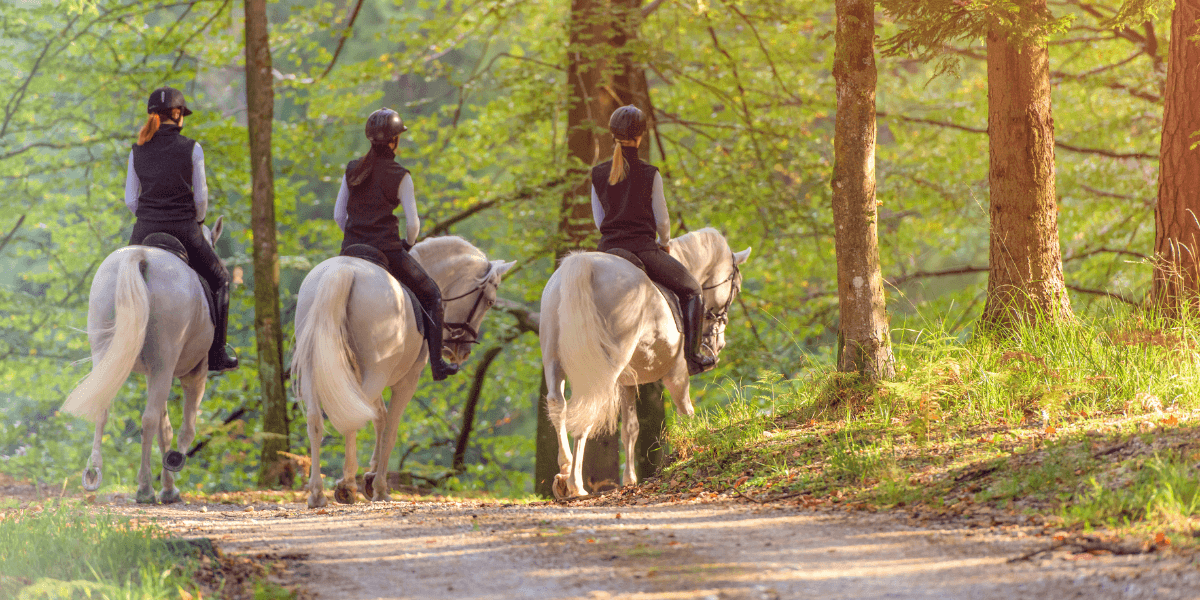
x=460, y=330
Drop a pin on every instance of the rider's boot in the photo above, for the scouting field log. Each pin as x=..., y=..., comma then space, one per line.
x=433, y=336
x=693, y=322
x=218, y=359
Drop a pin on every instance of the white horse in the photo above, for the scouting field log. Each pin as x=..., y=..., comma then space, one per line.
x=356, y=333
x=148, y=314
x=605, y=328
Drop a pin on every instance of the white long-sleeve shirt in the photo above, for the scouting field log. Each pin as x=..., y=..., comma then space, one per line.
x=658, y=203
x=133, y=186
x=408, y=201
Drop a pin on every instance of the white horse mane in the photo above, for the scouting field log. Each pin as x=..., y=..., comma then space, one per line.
x=699, y=248
x=434, y=253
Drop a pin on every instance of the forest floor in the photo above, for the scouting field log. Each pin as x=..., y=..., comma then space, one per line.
x=633, y=545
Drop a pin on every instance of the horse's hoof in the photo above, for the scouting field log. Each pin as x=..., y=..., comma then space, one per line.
x=174, y=460
x=171, y=497
x=368, y=487
x=317, y=500
x=344, y=494
x=91, y=479
x=146, y=497
x=562, y=489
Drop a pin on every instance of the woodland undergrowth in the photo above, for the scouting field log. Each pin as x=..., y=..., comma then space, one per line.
x=1084, y=426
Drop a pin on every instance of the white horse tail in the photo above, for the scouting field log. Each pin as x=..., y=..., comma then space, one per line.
x=587, y=351
x=131, y=301
x=322, y=363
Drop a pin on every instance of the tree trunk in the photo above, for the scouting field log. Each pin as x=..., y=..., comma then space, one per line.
x=1025, y=279
x=863, y=334
x=589, y=106
x=260, y=108
x=1176, y=230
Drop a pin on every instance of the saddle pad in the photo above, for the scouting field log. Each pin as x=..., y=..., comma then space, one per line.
x=170, y=243
x=374, y=256
x=667, y=294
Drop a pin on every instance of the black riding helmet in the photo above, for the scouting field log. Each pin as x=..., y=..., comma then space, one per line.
x=383, y=125
x=627, y=122
x=164, y=99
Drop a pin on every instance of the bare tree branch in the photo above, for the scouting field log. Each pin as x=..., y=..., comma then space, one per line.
x=342, y=40
x=1113, y=295
x=11, y=232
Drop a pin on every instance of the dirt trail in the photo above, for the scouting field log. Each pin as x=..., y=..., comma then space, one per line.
x=482, y=550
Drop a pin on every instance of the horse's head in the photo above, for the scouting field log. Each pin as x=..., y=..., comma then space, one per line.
x=708, y=257
x=469, y=284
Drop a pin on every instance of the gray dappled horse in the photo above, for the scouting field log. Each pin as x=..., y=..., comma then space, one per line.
x=605, y=328
x=147, y=313
x=356, y=333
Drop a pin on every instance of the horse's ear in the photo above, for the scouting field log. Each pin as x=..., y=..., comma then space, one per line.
x=740, y=257
x=500, y=267
x=217, y=229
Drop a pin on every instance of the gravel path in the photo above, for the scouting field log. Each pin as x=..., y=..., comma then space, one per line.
x=723, y=550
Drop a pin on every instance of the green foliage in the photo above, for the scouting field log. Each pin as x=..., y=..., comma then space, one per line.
x=743, y=102
x=65, y=552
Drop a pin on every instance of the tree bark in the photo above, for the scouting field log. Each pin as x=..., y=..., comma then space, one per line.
x=1176, y=226
x=864, y=338
x=1025, y=279
x=260, y=108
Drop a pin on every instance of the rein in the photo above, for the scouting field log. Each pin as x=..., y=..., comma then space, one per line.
x=460, y=330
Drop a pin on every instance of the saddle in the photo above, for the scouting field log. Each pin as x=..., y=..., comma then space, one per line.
x=372, y=254
x=170, y=243
x=667, y=294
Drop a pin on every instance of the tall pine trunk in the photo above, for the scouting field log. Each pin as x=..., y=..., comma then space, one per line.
x=1176, y=226
x=260, y=109
x=1025, y=278
x=864, y=339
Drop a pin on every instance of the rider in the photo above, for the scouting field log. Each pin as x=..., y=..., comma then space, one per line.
x=372, y=188
x=629, y=208
x=166, y=190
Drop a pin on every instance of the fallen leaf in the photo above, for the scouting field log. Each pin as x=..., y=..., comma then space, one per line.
x=1050, y=429
x=740, y=481
x=1161, y=539
x=618, y=515
x=591, y=541
x=1170, y=421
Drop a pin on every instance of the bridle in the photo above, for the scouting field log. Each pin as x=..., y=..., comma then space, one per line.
x=460, y=330
x=720, y=317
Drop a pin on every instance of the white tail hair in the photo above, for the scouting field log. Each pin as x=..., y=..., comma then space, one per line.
x=587, y=351
x=131, y=311
x=323, y=370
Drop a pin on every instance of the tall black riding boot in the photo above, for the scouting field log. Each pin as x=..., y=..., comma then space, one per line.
x=218, y=359
x=693, y=322
x=433, y=336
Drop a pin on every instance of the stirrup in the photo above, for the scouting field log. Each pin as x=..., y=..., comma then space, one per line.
x=221, y=361
x=441, y=369
x=700, y=363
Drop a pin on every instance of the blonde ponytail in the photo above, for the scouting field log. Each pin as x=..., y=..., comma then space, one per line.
x=149, y=129
x=619, y=168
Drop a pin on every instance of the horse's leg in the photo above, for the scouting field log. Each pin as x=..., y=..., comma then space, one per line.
x=347, y=487
x=577, y=465
x=193, y=392
x=378, y=425
x=166, y=434
x=402, y=393
x=316, y=431
x=158, y=387
x=629, y=433
x=678, y=384
x=93, y=473
x=556, y=406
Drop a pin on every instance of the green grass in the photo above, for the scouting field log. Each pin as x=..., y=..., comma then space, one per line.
x=1024, y=423
x=65, y=552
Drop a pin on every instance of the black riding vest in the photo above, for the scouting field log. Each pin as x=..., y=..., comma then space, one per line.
x=163, y=166
x=628, y=210
x=371, y=210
